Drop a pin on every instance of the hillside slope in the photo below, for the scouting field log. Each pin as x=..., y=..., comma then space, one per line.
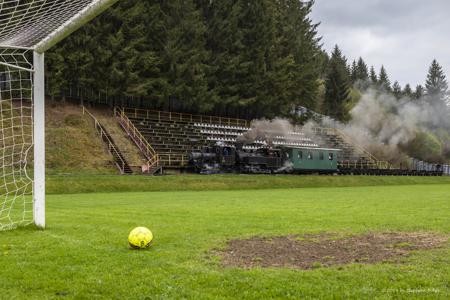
x=73, y=147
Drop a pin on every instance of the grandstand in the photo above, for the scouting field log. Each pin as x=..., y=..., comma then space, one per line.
x=171, y=136
x=167, y=138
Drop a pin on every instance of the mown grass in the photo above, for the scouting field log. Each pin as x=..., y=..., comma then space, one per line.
x=83, y=253
x=95, y=183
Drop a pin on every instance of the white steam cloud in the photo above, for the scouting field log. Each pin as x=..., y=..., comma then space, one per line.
x=387, y=126
x=391, y=129
x=266, y=130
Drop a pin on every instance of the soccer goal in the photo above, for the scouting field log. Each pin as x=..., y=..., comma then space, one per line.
x=28, y=28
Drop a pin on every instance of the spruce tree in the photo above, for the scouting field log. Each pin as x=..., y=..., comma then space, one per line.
x=324, y=60
x=354, y=72
x=240, y=40
x=185, y=57
x=436, y=86
x=337, y=94
x=297, y=40
x=419, y=92
x=362, y=70
x=373, y=76
x=362, y=75
x=407, y=91
x=397, y=90
x=137, y=66
x=243, y=58
x=383, y=80
x=56, y=68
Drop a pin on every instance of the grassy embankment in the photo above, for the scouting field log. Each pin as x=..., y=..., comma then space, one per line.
x=72, y=144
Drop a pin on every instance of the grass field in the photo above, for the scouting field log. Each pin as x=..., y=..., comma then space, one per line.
x=85, y=183
x=84, y=253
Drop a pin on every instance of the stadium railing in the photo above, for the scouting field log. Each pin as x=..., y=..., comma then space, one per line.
x=379, y=164
x=121, y=164
x=153, y=161
x=184, y=117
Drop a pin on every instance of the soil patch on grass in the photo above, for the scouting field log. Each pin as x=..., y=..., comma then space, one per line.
x=314, y=251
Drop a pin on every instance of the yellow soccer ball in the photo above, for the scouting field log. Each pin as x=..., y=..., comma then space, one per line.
x=140, y=238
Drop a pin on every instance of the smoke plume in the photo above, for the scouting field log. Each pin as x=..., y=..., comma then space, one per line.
x=395, y=128
x=266, y=130
x=391, y=129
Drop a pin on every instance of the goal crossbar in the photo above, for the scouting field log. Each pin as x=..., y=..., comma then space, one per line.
x=40, y=24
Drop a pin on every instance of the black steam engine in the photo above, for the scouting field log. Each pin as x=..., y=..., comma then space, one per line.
x=218, y=159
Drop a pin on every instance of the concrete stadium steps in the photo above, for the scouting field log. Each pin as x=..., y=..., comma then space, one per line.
x=118, y=158
x=127, y=148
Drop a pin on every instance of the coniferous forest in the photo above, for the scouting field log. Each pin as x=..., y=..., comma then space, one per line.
x=242, y=58
x=249, y=59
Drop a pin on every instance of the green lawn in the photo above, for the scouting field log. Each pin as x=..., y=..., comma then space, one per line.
x=85, y=183
x=84, y=254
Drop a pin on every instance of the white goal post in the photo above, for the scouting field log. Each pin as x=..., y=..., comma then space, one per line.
x=28, y=28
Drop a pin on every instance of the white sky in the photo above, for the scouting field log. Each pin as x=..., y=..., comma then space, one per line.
x=404, y=35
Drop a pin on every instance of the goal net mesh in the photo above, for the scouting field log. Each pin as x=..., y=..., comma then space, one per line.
x=28, y=27
x=16, y=139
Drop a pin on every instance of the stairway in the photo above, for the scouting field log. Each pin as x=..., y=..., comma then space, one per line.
x=152, y=160
x=128, y=148
x=118, y=158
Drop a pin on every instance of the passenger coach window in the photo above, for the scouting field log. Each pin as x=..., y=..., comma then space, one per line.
x=300, y=155
x=310, y=155
x=321, y=155
x=330, y=156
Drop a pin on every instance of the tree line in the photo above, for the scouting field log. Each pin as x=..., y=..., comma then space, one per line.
x=341, y=77
x=253, y=58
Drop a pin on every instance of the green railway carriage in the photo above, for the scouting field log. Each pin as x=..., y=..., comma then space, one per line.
x=312, y=160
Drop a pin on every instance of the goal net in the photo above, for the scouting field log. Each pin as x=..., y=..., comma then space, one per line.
x=28, y=28
x=15, y=139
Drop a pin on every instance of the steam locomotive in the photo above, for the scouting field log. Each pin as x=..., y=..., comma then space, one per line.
x=285, y=160
x=268, y=160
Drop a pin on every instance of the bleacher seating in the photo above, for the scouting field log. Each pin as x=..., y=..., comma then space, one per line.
x=172, y=140
x=174, y=135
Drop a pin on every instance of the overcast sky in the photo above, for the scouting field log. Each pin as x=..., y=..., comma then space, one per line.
x=404, y=35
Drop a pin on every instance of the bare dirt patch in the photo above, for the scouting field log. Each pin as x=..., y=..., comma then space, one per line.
x=313, y=251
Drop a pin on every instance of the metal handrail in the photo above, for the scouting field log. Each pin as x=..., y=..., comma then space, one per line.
x=379, y=163
x=174, y=116
x=137, y=137
x=111, y=147
x=172, y=159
